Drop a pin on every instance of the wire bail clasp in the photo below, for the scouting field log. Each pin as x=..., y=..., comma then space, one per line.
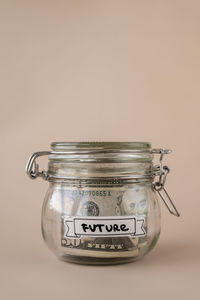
x=162, y=172
x=32, y=168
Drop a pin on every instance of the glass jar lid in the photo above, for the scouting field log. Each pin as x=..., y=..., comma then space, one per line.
x=101, y=152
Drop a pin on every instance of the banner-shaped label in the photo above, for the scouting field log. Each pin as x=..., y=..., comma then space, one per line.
x=104, y=226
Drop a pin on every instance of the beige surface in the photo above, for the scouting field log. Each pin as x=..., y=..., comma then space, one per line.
x=99, y=70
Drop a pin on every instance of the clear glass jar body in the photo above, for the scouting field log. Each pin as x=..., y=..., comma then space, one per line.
x=99, y=200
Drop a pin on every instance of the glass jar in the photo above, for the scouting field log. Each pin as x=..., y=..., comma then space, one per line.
x=101, y=206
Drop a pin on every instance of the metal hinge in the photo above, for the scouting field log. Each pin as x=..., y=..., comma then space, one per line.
x=32, y=168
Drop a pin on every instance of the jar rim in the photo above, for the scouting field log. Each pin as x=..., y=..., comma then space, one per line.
x=100, y=146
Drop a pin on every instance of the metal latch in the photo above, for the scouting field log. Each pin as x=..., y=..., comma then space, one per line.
x=159, y=186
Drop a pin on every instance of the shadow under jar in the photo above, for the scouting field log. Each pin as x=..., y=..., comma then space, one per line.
x=101, y=206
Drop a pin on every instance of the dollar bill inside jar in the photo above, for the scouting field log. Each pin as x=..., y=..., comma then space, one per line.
x=107, y=201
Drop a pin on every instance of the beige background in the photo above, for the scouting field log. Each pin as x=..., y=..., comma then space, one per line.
x=104, y=71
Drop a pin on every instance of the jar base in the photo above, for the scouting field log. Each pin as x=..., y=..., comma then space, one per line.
x=88, y=260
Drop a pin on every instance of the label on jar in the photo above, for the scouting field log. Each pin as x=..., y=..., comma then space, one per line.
x=104, y=226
